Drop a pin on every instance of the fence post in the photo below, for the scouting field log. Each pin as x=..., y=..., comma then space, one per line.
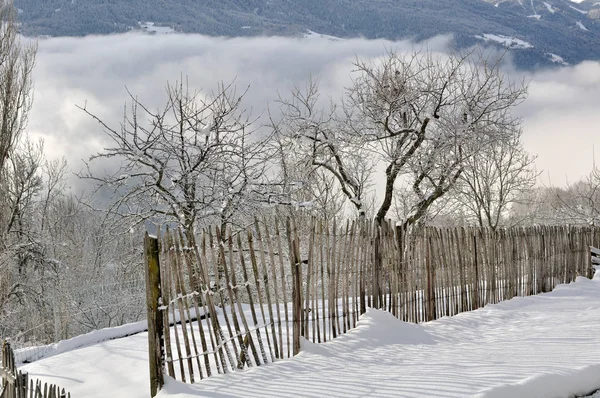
x=430, y=313
x=155, y=315
x=377, y=265
x=401, y=275
x=476, y=303
x=297, y=315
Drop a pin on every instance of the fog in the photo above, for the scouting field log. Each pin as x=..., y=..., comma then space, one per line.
x=560, y=117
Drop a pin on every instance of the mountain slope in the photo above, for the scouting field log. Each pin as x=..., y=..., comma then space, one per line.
x=561, y=27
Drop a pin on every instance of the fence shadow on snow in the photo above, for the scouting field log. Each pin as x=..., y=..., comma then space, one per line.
x=227, y=300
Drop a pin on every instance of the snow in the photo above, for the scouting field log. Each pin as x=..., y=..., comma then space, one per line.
x=35, y=353
x=509, y=42
x=580, y=25
x=535, y=16
x=552, y=384
x=550, y=8
x=152, y=28
x=314, y=35
x=578, y=10
x=31, y=354
x=557, y=59
x=540, y=346
x=116, y=368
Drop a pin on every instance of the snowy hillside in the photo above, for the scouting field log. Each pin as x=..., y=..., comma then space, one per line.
x=549, y=26
x=539, y=346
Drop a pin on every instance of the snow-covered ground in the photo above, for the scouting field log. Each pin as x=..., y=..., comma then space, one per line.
x=557, y=59
x=550, y=8
x=31, y=354
x=578, y=10
x=541, y=346
x=151, y=27
x=314, y=35
x=510, y=42
x=581, y=26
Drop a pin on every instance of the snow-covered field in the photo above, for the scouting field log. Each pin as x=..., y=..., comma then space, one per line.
x=541, y=346
x=510, y=42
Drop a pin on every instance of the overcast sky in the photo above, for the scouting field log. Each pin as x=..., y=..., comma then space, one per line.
x=561, y=115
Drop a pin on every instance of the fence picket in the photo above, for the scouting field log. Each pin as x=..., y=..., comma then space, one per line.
x=247, y=341
x=251, y=302
x=283, y=286
x=180, y=295
x=273, y=269
x=218, y=270
x=322, y=261
x=259, y=293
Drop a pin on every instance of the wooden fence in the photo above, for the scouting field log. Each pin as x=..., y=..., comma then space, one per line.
x=227, y=300
x=16, y=384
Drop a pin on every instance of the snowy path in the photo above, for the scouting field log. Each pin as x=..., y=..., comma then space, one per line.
x=526, y=347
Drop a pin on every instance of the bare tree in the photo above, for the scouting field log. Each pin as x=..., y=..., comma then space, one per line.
x=420, y=115
x=18, y=179
x=577, y=203
x=193, y=160
x=320, y=141
x=49, y=243
x=16, y=96
x=495, y=178
x=445, y=211
x=303, y=188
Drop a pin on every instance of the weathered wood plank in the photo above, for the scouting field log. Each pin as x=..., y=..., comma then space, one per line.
x=154, y=314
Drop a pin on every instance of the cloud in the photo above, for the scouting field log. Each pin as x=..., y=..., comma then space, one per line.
x=561, y=121
x=560, y=116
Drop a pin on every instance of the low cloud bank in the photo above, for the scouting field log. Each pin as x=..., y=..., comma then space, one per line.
x=561, y=117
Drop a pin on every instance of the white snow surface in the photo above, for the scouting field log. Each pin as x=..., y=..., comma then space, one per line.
x=550, y=8
x=540, y=346
x=510, y=42
x=578, y=10
x=151, y=27
x=581, y=26
x=314, y=35
x=31, y=354
x=557, y=59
